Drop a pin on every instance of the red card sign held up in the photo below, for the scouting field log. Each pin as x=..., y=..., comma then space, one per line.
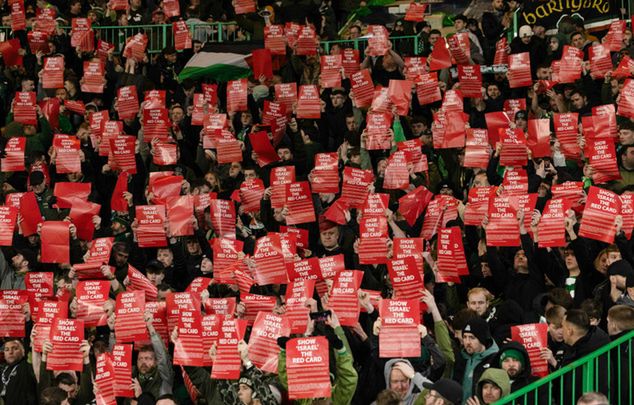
x=263, y=348
x=533, y=337
x=602, y=206
x=55, y=237
x=307, y=362
x=399, y=336
x=66, y=337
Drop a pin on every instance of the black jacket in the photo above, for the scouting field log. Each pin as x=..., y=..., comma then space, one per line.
x=525, y=377
x=21, y=385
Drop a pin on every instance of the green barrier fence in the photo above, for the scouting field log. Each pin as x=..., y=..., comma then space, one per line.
x=608, y=370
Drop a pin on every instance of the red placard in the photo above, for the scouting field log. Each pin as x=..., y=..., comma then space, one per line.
x=399, y=336
x=93, y=80
x=121, y=156
x=156, y=124
x=551, y=228
x=307, y=42
x=53, y=73
x=604, y=121
x=135, y=47
x=351, y=62
x=105, y=380
x=18, y=17
x=227, y=363
x=377, y=127
x=263, y=348
x=299, y=202
x=47, y=311
x=373, y=238
x=308, y=102
x=501, y=54
x=30, y=212
x=477, y=205
x=10, y=54
x=307, y=362
x=600, y=60
x=539, y=137
x=566, y=131
x=396, y=173
x=177, y=302
x=330, y=73
x=534, y=337
x=91, y=297
x=165, y=187
x=602, y=158
x=413, y=151
x=627, y=212
x=570, y=68
x=220, y=306
x=286, y=93
x=251, y=192
x=24, y=110
x=503, y=229
x=400, y=94
x=67, y=154
x=362, y=90
x=180, y=212
x=82, y=37
x=188, y=349
x=261, y=144
x=355, y=186
x=127, y=102
x=129, y=321
x=66, y=336
x=626, y=99
x=325, y=176
x=415, y=12
x=514, y=151
x=122, y=364
x=440, y=57
x=55, y=237
x=268, y=256
x=171, y=8
x=262, y=63
x=602, y=206
x=255, y=304
x=343, y=297
x=406, y=278
x=67, y=193
x=459, y=47
x=14, y=155
x=150, y=231
x=427, y=89
x=138, y=282
x=274, y=39
x=451, y=259
x=414, y=67
x=182, y=36
x=12, y=318
x=297, y=292
x=237, y=95
x=470, y=78
x=244, y=6
x=519, y=73
x=279, y=178
x=225, y=253
x=615, y=36
x=223, y=218
x=477, y=148
x=412, y=205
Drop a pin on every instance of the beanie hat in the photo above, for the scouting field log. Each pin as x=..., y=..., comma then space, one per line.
x=620, y=268
x=479, y=328
x=514, y=354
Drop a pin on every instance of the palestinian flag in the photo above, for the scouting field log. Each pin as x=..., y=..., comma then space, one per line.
x=219, y=66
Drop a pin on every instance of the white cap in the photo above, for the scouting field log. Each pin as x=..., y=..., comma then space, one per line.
x=526, y=31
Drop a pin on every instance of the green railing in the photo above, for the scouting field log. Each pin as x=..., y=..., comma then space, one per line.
x=412, y=41
x=604, y=370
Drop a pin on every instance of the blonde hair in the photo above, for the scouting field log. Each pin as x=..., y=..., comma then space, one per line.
x=479, y=290
x=622, y=316
x=555, y=315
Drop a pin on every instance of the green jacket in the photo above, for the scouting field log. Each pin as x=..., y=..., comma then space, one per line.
x=441, y=334
x=498, y=377
x=346, y=382
x=39, y=142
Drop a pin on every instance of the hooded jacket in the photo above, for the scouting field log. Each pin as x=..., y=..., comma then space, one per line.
x=525, y=376
x=469, y=368
x=415, y=383
x=496, y=376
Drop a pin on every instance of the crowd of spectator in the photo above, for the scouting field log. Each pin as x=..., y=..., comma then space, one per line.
x=581, y=289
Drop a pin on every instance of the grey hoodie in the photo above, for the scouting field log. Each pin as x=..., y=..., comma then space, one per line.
x=416, y=382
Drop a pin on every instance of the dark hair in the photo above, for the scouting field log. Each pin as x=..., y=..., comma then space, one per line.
x=593, y=308
x=53, y=396
x=579, y=318
x=154, y=266
x=462, y=318
x=560, y=296
x=435, y=31
x=357, y=27
x=65, y=378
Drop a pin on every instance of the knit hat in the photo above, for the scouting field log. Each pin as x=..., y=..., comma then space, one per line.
x=620, y=268
x=448, y=389
x=514, y=354
x=479, y=328
x=260, y=91
x=526, y=31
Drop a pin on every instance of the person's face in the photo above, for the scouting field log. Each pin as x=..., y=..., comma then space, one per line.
x=6, y=21
x=498, y=5
x=246, y=119
x=177, y=114
x=75, y=8
x=71, y=389
x=568, y=333
x=399, y=383
x=165, y=256
x=577, y=41
x=578, y=101
x=338, y=100
x=620, y=281
x=235, y=169
x=61, y=94
x=135, y=3
x=245, y=394
x=329, y=237
x=556, y=332
x=481, y=180
x=29, y=130
x=170, y=57
x=156, y=278
x=493, y=92
x=206, y=266
x=120, y=258
x=165, y=401
x=146, y=361
x=512, y=367
x=543, y=73
x=197, y=47
x=613, y=257
x=553, y=44
x=491, y=393
x=478, y=303
x=417, y=128
x=520, y=261
x=571, y=259
x=284, y=154
x=28, y=85
x=211, y=179
x=626, y=137
x=193, y=248
x=13, y=352
x=433, y=38
x=351, y=124
x=471, y=344
x=521, y=123
x=380, y=167
x=356, y=159
x=628, y=158
x=459, y=25
x=426, y=139
x=354, y=32
x=250, y=174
